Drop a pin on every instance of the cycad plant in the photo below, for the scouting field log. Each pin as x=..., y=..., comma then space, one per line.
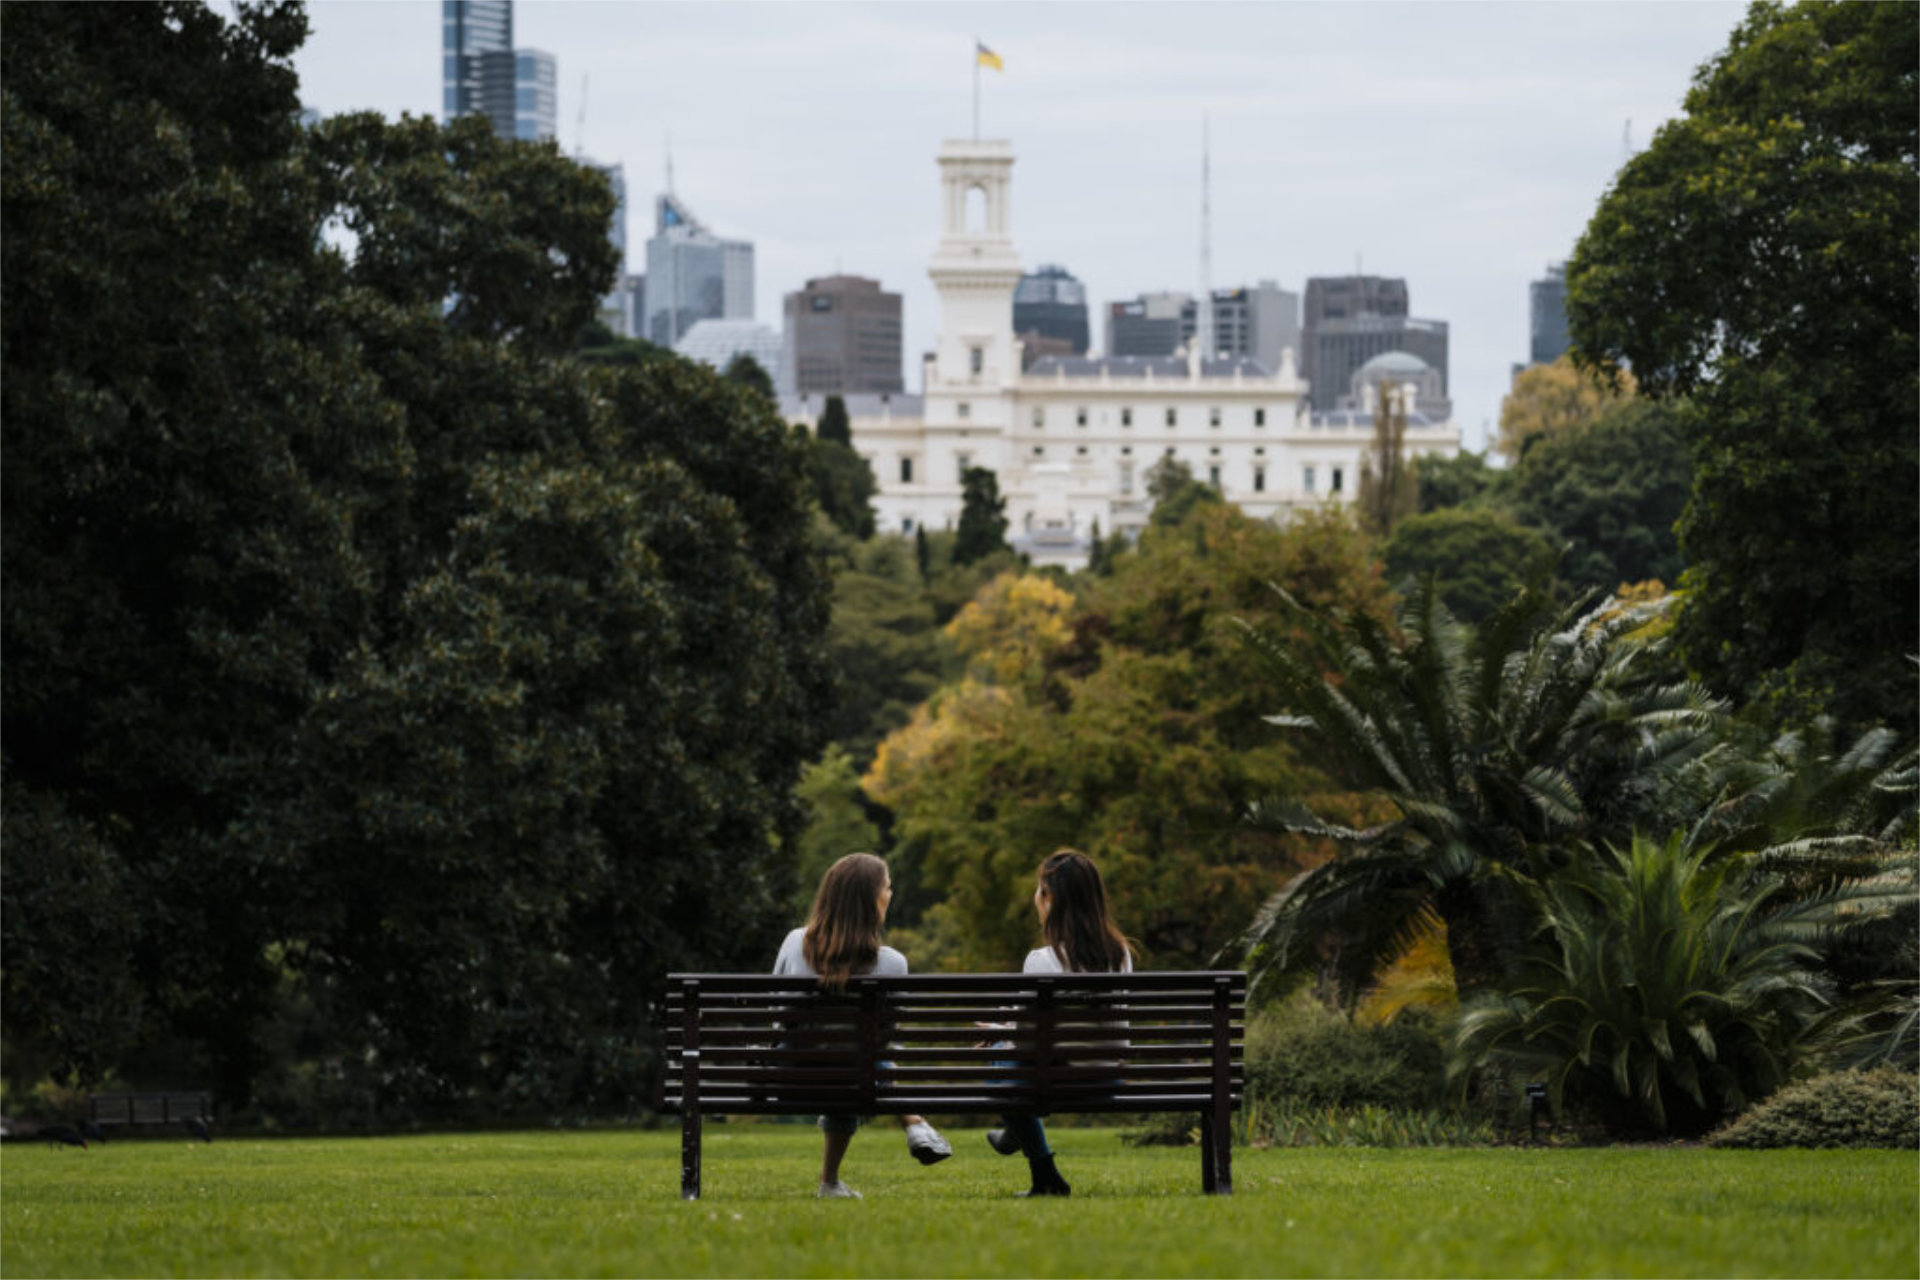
x=1502, y=752
x=1671, y=985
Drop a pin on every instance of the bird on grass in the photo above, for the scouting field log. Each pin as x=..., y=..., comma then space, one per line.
x=198, y=1128
x=91, y=1132
x=63, y=1135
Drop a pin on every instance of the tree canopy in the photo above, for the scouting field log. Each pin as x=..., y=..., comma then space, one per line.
x=1610, y=492
x=366, y=650
x=1757, y=260
x=1478, y=557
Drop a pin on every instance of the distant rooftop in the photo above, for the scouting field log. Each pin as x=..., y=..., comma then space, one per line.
x=1396, y=362
x=865, y=404
x=1168, y=367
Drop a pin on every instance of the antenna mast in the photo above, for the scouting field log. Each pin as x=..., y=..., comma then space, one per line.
x=580, y=129
x=1203, y=306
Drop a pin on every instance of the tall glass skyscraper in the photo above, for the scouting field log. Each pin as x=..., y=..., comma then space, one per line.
x=535, y=95
x=1547, y=307
x=484, y=75
x=476, y=47
x=693, y=275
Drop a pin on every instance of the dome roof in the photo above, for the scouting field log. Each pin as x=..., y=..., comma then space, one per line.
x=1395, y=362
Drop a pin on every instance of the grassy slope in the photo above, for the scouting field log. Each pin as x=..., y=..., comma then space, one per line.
x=607, y=1204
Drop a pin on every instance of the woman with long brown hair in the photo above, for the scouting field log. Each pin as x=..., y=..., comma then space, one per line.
x=841, y=938
x=1081, y=937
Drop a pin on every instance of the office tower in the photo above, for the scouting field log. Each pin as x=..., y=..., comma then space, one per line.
x=1547, y=307
x=475, y=35
x=1343, y=297
x=484, y=75
x=1150, y=325
x=693, y=275
x=1255, y=323
x=1338, y=348
x=535, y=95
x=1351, y=319
x=842, y=338
x=1051, y=304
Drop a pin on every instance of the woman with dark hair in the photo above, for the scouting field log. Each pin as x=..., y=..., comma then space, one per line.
x=1080, y=937
x=840, y=939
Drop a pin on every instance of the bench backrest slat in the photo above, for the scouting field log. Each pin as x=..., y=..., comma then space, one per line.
x=1142, y=1041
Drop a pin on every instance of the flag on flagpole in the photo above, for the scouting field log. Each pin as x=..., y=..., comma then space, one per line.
x=986, y=57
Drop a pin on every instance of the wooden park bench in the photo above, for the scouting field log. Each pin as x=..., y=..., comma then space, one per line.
x=1076, y=1043
x=149, y=1108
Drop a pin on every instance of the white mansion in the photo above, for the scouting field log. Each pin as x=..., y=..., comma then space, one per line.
x=1071, y=439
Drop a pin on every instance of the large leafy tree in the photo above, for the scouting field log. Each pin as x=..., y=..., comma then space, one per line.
x=1548, y=400
x=1757, y=260
x=843, y=484
x=1609, y=494
x=1478, y=556
x=1120, y=722
x=886, y=646
x=359, y=636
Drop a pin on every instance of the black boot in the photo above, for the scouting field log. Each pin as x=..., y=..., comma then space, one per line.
x=1046, y=1179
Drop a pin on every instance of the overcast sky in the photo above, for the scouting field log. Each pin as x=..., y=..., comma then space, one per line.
x=1461, y=146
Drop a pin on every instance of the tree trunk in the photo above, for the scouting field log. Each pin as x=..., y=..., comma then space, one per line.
x=1473, y=937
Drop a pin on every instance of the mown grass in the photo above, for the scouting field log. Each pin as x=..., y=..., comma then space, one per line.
x=593, y=1204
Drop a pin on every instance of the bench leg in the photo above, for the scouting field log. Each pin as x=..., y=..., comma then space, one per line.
x=690, y=1152
x=1222, y=1127
x=1209, y=1172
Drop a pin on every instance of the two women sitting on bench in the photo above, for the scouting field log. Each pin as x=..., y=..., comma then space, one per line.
x=842, y=939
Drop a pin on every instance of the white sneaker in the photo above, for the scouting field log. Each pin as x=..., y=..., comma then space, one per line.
x=926, y=1144
x=836, y=1191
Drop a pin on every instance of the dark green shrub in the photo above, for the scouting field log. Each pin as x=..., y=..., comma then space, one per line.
x=1298, y=1052
x=1878, y=1108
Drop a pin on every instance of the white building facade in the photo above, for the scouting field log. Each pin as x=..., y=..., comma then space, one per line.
x=1071, y=440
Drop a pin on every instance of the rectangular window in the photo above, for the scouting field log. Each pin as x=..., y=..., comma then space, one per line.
x=963, y=462
x=1306, y=479
x=1082, y=451
x=1126, y=417
x=976, y=360
x=1080, y=416
x=1259, y=479
x=1338, y=477
x=1039, y=451
x=1259, y=417
x=1213, y=476
x=963, y=410
x=1173, y=417
x=1126, y=477
x=1213, y=416
x=906, y=471
x=906, y=524
x=1039, y=418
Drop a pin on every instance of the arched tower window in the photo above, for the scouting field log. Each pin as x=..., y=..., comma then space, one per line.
x=976, y=220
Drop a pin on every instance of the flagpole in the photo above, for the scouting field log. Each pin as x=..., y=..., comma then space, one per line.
x=976, y=88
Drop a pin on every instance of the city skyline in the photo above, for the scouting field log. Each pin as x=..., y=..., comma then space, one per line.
x=1459, y=146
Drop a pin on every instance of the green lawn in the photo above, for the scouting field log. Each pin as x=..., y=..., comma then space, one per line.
x=608, y=1204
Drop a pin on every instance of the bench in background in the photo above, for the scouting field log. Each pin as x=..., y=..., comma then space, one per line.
x=149, y=1108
